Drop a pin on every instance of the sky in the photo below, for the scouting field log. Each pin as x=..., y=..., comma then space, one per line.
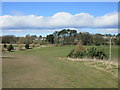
x=42, y=18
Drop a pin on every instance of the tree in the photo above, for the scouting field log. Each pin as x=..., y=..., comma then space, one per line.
x=98, y=39
x=117, y=39
x=56, y=37
x=73, y=32
x=28, y=39
x=50, y=38
x=21, y=40
x=9, y=48
x=10, y=39
x=85, y=37
x=69, y=40
x=27, y=46
x=5, y=46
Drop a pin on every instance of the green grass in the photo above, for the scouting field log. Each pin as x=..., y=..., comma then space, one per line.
x=41, y=67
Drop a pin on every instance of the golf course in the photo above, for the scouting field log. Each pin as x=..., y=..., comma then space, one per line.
x=41, y=67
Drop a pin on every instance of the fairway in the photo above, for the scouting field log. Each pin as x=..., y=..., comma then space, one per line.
x=42, y=68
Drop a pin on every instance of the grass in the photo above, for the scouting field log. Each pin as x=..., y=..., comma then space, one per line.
x=41, y=68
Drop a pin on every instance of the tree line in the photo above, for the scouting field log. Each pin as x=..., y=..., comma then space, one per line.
x=63, y=37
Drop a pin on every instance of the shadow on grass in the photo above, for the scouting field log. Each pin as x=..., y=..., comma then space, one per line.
x=9, y=58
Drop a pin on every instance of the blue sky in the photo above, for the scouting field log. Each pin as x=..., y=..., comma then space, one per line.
x=49, y=9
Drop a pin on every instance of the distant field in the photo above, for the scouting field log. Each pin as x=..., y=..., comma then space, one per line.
x=41, y=68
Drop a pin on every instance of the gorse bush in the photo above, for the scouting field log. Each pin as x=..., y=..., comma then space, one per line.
x=97, y=53
x=91, y=52
x=100, y=54
x=27, y=46
x=88, y=53
x=78, y=52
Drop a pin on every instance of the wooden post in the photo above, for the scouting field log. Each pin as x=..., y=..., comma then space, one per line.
x=110, y=48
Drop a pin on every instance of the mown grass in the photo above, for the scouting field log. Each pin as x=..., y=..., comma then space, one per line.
x=41, y=67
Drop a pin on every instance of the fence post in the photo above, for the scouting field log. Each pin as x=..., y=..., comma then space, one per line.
x=110, y=48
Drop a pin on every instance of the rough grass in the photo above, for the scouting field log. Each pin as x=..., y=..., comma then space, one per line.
x=105, y=65
x=41, y=68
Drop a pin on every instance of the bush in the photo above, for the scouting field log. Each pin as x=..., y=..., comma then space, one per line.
x=97, y=53
x=90, y=53
x=5, y=46
x=97, y=44
x=27, y=46
x=78, y=52
x=101, y=55
x=9, y=48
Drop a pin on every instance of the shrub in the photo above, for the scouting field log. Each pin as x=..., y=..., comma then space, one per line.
x=9, y=48
x=78, y=52
x=97, y=53
x=5, y=46
x=101, y=55
x=90, y=53
x=97, y=44
x=71, y=54
x=79, y=47
x=27, y=46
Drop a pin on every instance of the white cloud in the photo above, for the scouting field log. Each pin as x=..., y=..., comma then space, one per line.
x=59, y=20
x=108, y=20
x=15, y=30
x=109, y=30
